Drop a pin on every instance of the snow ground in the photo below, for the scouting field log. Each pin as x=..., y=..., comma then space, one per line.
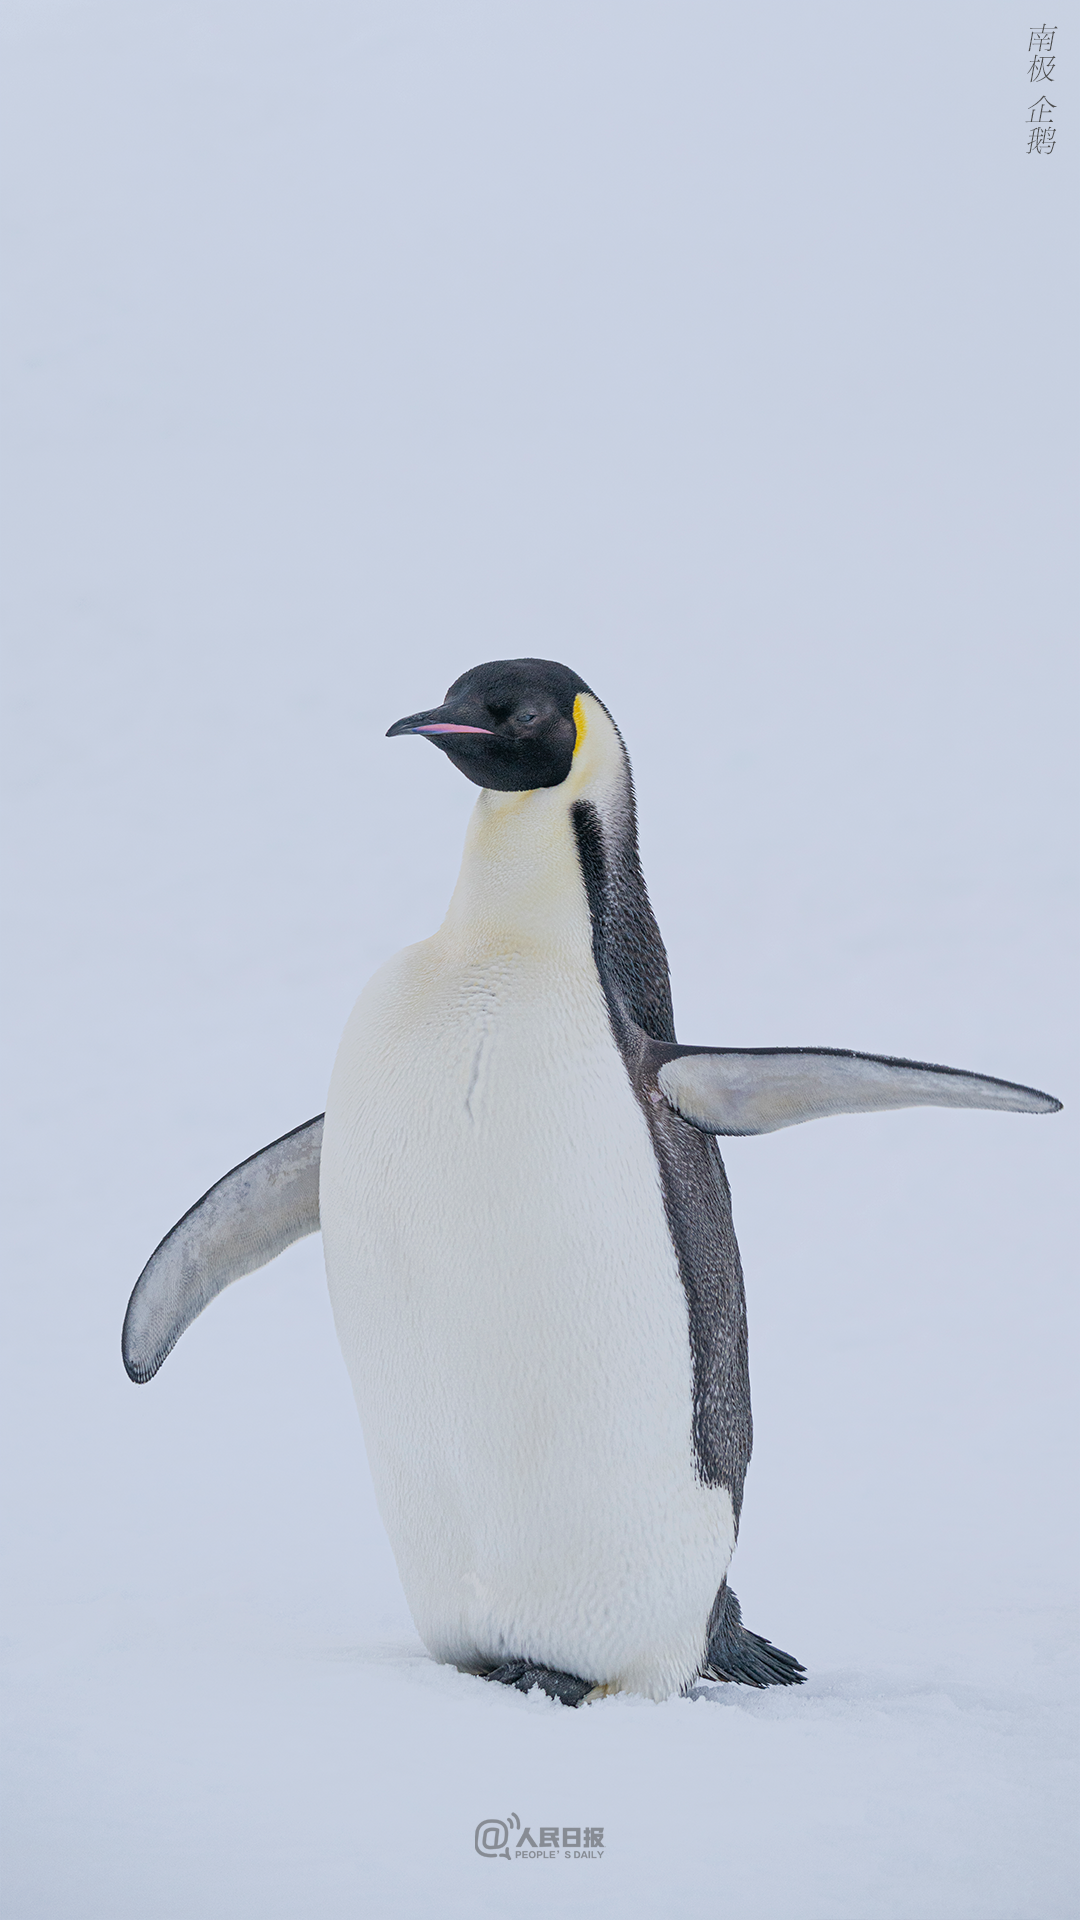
x=354, y=344
x=223, y=1775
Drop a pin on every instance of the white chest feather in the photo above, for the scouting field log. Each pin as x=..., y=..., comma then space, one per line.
x=505, y=1288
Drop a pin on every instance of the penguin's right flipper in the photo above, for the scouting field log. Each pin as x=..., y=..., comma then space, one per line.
x=248, y=1217
x=741, y=1090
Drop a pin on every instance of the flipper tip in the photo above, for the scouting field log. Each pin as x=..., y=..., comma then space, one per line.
x=138, y=1367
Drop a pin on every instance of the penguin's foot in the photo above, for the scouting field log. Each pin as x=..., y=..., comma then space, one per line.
x=733, y=1653
x=523, y=1675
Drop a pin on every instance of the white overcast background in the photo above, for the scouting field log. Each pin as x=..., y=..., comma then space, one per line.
x=725, y=353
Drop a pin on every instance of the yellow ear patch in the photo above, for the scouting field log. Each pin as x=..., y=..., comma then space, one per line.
x=580, y=722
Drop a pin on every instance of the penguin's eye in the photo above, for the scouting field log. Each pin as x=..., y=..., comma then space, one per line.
x=526, y=717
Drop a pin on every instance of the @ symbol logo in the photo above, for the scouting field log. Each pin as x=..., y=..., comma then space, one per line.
x=492, y=1837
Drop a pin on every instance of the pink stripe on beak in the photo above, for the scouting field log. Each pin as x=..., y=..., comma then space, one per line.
x=441, y=726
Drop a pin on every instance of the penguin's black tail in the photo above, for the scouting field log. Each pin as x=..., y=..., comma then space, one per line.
x=732, y=1653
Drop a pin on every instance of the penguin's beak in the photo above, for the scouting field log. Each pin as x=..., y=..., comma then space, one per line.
x=433, y=723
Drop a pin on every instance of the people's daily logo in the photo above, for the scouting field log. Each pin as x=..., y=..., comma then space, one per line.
x=509, y=1840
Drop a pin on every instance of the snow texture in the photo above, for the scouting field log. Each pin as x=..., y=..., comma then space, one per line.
x=719, y=353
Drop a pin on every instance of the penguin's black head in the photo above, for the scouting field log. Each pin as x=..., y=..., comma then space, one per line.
x=508, y=724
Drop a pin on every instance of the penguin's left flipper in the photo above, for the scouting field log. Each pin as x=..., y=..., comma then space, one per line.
x=743, y=1090
x=248, y=1217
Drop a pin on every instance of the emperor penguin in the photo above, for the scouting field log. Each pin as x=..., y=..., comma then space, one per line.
x=528, y=1235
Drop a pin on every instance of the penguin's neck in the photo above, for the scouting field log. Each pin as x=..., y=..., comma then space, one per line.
x=521, y=886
